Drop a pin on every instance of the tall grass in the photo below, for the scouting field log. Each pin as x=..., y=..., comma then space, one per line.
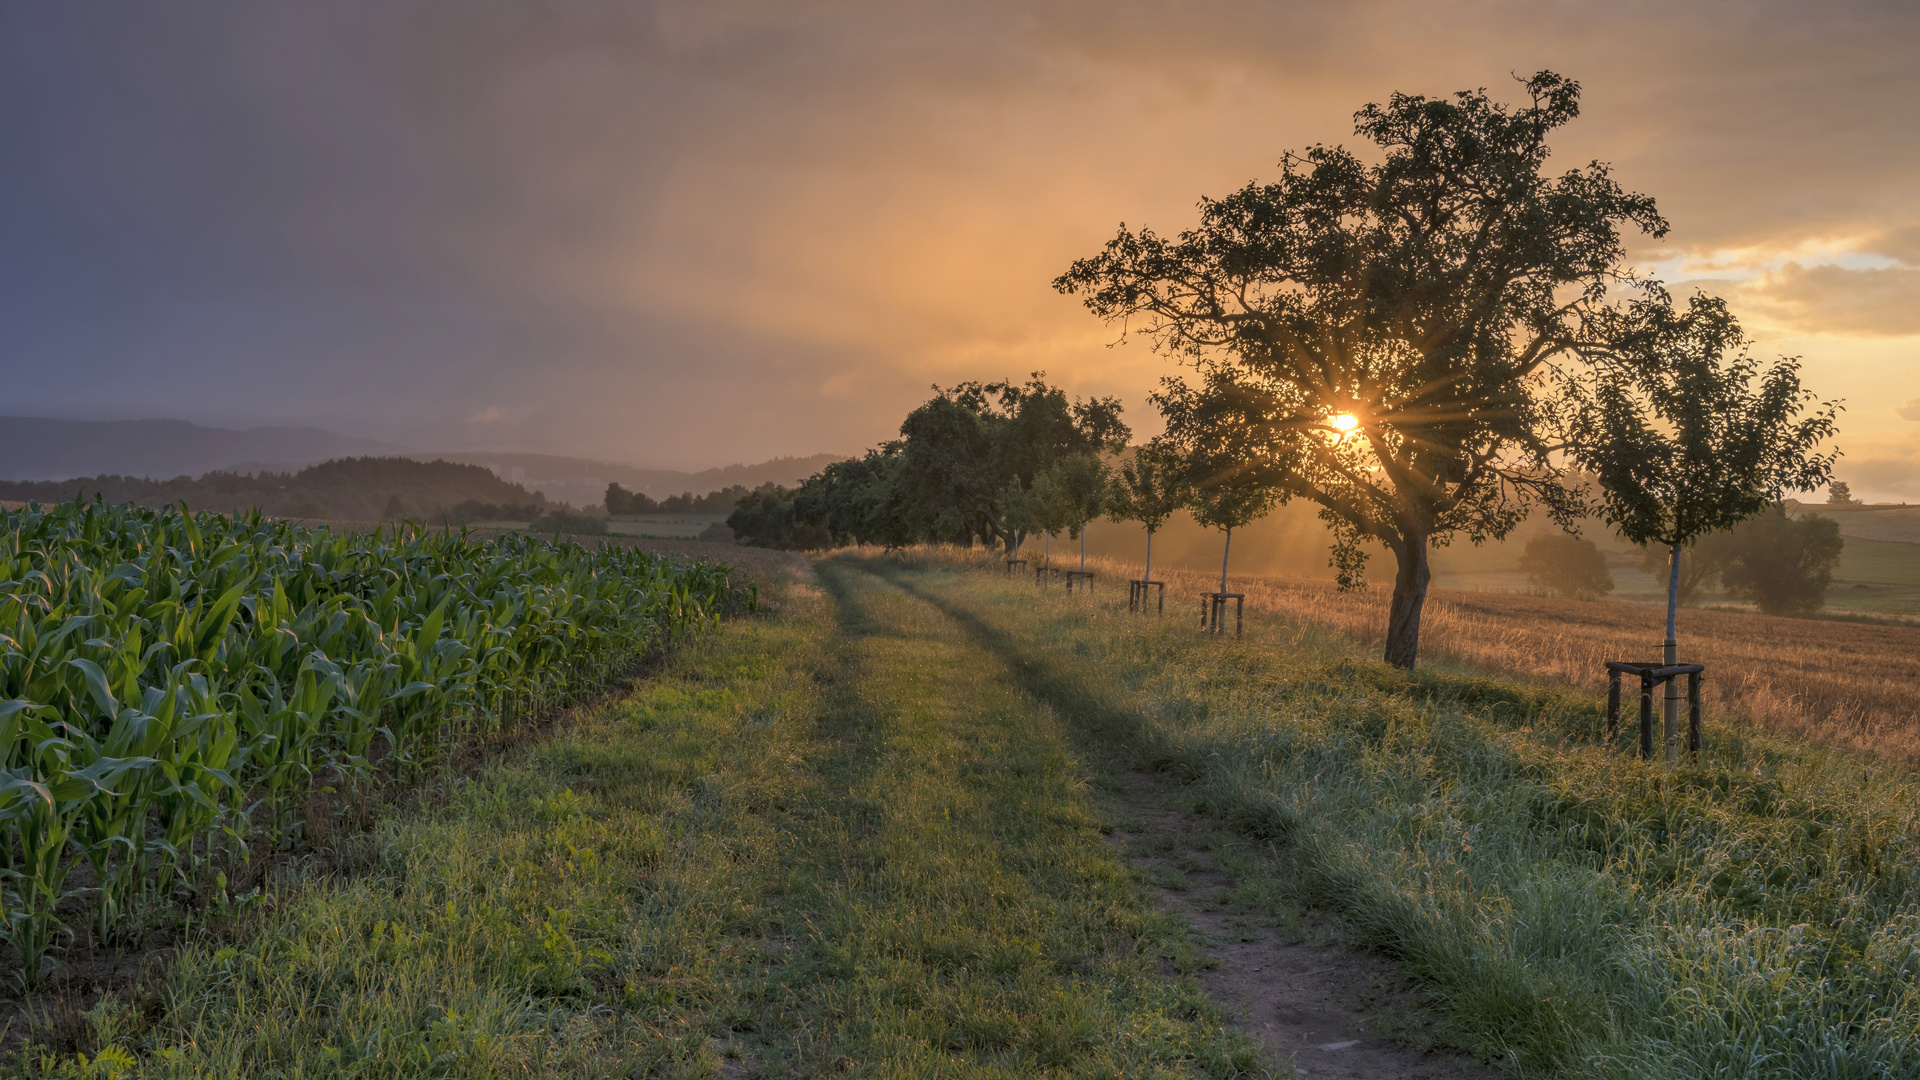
x=1579, y=912
x=172, y=685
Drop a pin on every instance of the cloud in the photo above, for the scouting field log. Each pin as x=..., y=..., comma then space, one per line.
x=711, y=230
x=1909, y=411
x=1885, y=479
x=1901, y=244
x=1830, y=299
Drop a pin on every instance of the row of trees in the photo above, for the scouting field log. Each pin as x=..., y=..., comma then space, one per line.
x=977, y=463
x=1422, y=346
x=621, y=501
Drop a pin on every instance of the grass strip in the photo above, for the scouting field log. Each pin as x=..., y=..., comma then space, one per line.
x=1578, y=912
x=832, y=840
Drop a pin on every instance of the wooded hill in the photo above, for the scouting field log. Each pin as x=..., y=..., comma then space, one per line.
x=354, y=489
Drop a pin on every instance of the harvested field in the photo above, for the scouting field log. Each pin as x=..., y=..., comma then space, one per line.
x=1849, y=684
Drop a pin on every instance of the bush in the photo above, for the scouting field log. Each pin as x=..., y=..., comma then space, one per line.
x=1782, y=564
x=1566, y=566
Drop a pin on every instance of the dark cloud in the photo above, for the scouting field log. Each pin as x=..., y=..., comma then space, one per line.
x=706, y=231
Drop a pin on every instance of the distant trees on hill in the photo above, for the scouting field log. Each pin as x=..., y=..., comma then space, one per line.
x=354, y=489
x=621, y=501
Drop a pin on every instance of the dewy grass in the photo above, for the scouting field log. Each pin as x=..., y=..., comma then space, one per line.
x=1578, y=912
x=834, y=840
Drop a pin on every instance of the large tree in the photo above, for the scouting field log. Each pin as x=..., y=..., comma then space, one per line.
x=1376, y=337
x=962, y=449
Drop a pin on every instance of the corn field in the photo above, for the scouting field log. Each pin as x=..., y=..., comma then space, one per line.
x=174, y=685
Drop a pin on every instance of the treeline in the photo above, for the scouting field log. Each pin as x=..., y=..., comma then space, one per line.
x=980, y=462
x=1780, y=563
x=353, y=489
x=621, y=501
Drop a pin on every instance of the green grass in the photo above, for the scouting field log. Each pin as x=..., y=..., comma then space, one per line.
x=1878, y=576
x=1577, y=912
x=835, y=840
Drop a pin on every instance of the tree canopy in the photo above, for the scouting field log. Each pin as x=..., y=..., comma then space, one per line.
x=964, y=462
x=1377, y=337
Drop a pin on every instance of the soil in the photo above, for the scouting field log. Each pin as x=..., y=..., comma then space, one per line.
x=1313, y=1000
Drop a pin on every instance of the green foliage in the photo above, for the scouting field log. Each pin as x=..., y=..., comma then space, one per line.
x=1424, y=295
x=961, y=456
x=1684, y=431
x=1782, y=564
x=766, y=518
x=1085, y=487
x=162, y=675
x=1564, y=565
x=860, y=501
x=1151, y=486
x=619, y=500
x=963, y=448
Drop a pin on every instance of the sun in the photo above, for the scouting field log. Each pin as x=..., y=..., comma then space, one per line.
x=1346, y=422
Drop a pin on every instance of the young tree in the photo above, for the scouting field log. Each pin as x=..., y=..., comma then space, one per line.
x=1051, y=509
x=1839, y=494
x=1705, y=558
x=1688, y=436
x=1379, y=333
x=1226, y=495
x=1086, y=486
x=1567, y=566
x=1783, y=564
x=1152, y=486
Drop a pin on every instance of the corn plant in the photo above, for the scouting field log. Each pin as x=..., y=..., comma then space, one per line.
x=167, y=679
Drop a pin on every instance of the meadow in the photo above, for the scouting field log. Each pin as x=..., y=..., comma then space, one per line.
x=1837, y=682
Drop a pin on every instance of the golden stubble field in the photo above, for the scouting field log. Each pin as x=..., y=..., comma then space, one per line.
x=1848, y=684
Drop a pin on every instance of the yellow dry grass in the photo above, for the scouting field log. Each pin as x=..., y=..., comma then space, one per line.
x=1846, y=684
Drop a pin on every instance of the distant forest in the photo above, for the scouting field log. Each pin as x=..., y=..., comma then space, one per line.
x=350, y=489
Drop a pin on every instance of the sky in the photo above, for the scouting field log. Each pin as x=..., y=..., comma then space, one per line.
x=685, y=234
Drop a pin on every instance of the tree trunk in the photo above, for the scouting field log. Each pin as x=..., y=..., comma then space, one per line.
x=1225, y=550
x=1672, y=655
x=1149, y=574
x=1083, y=546
x=1409, y=597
